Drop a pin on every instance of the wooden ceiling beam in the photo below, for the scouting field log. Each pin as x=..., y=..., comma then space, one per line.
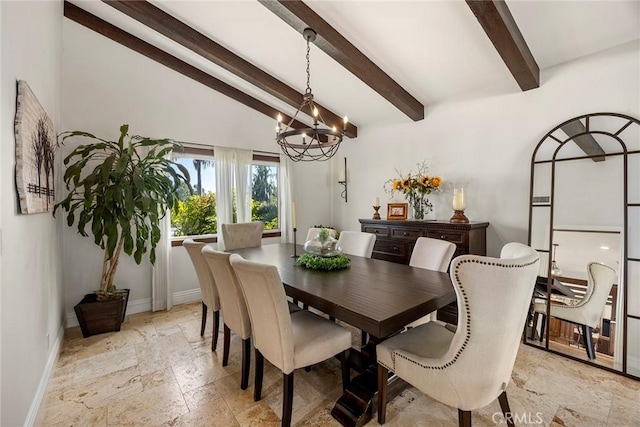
x=496, y=20
x=587, y=143
x=183, y=34
x=300, y=16
x=114, y=33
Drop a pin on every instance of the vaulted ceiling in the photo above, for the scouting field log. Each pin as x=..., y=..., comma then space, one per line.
x=411, y=54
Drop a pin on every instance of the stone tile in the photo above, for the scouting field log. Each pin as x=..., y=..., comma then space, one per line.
x=163, y=352
x=195, y=373
x=154, y=406
x=259, y=415
x=158, y=378
x=105, y=363
x=72, y=414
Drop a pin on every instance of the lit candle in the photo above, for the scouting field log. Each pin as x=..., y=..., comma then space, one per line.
x=458, y=199
x=376, y=201
x=293, y=214
x=345, y=120
x=341, y=176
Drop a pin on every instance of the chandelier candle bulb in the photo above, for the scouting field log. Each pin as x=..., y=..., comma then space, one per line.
x=341, y=176
x=345, y=120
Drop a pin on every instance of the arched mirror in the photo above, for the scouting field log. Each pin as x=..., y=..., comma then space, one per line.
x=585, y=208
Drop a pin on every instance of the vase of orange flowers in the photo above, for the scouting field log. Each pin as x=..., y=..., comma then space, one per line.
x=415, y=187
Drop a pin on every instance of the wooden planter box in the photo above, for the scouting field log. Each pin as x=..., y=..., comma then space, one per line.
x=97, y=317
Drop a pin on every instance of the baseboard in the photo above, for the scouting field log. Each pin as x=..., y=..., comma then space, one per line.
x=184, y=297
x=144, y=304
x=633, y=365
x=44, y=379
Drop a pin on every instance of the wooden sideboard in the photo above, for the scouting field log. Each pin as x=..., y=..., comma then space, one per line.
x=395, y=241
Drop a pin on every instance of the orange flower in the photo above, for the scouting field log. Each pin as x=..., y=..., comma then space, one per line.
x=436, y=181
x=406, y=183
x=424, y=180
x=395, y=185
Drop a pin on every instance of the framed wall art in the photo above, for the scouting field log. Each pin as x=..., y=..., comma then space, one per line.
x=35, y=148
x=397, y=210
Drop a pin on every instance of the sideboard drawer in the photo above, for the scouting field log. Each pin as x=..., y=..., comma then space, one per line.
x=457, y=237
x=378, y=230
x=406, y=233
x=392, y=247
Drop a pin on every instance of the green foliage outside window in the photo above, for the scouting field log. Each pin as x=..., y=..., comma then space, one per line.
x=196, y=216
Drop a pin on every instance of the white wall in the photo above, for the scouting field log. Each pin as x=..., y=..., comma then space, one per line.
x=105, y=85
x=31, y=275
x=488, y=141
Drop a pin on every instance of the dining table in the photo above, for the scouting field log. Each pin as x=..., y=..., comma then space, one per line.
x=377, y=297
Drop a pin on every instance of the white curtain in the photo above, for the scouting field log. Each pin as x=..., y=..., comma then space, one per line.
x=244, y=159
x=224, y=163
x=284, y=206
x=161, y=294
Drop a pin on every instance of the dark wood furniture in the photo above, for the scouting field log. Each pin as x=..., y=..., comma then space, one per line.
x=377, y=297
x=395, y=241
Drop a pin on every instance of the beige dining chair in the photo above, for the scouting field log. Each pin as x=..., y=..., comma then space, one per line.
x=287, y=341
x=357, y=243
x=471, y=367
x=588, y=312
x=234, y=309
x=242, y=235
x=431, y=254
x=235, y=316
x=208, y=290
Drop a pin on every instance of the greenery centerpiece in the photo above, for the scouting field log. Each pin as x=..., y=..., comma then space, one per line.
x=415, y=186
x=317, y=262
x=121, y=189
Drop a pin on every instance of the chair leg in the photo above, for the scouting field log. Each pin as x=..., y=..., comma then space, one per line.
x=216, y=327
x=383, y=377
x=246, y=363
x=533, y=326
x=204, y=319
x=543, y=326
x=464, y=418
x=226, y=343
x=506, y=411
x=257, y=389
x=588, y=342
x=346, y=369
x=287, y=399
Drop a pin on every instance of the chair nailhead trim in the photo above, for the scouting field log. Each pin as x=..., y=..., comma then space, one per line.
x=467, y=311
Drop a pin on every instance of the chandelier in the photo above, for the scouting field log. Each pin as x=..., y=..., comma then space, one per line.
x=314, y=143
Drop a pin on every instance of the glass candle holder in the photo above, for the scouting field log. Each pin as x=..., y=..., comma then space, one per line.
x=459, y=204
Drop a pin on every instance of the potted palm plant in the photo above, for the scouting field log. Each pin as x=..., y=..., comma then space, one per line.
x=120, y=190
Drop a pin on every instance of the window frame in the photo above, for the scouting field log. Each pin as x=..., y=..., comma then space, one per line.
x=187, y=151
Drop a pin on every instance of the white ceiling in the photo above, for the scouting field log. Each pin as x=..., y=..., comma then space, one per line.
x=436, y=50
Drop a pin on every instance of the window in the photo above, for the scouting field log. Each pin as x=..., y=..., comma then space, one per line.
x=196, y=215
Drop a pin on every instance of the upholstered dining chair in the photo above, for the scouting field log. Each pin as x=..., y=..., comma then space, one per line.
x=234, y=309
x=235, y=316
x=242, y=235
x=287, y=341
x=588, y=312
x=208, y=289
x=314, y=231
x=431, y=254
x=357, y=243
x=471, y=367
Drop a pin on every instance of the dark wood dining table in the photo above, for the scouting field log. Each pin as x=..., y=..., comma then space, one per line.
x=375, y=296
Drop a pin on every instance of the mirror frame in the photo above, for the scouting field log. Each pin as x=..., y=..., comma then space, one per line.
x=537, y=159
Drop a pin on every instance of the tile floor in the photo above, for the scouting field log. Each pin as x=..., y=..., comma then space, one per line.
x=158, y=371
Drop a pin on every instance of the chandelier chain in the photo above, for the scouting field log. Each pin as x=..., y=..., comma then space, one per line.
x=308, y=72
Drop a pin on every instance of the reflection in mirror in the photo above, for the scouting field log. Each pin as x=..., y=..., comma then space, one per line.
x=586, y=172
x=575, y=301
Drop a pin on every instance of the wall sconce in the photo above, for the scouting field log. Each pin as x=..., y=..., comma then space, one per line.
x=342, y=179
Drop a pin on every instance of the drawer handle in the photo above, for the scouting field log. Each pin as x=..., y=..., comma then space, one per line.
x=443, y=237
x=405, y=233
x=396, y=249
x=375, y=231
